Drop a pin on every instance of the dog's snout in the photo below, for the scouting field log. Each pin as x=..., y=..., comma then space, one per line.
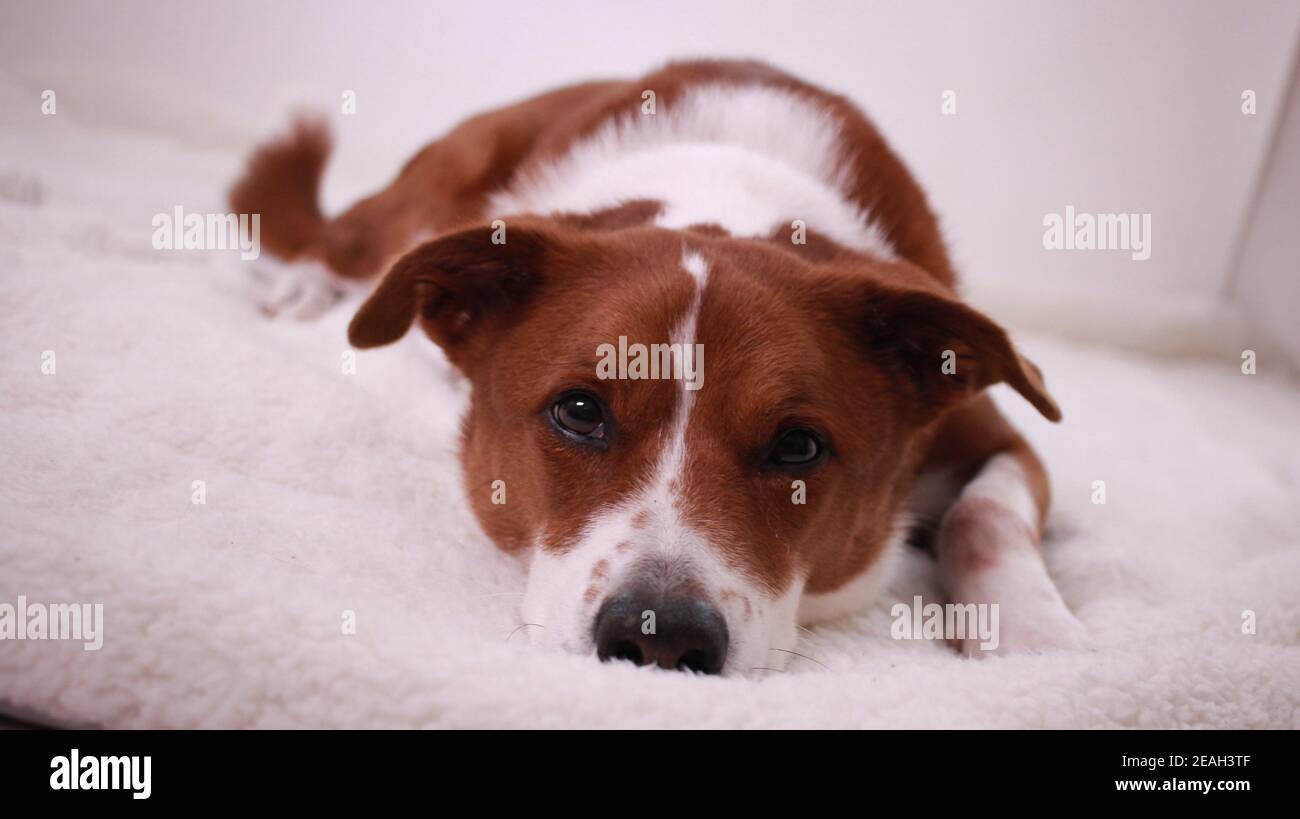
x=683, y=633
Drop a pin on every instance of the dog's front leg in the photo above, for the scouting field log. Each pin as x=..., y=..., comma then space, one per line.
x=990, y=554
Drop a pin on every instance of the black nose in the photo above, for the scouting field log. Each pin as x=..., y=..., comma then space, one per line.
x=683, y=633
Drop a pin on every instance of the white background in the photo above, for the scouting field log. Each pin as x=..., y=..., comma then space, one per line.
x=1109, y=106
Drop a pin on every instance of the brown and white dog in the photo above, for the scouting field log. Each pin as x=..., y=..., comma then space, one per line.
x=723, y=204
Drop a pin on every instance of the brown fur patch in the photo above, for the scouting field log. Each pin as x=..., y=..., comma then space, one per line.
x=633, y=213
x=977, y=530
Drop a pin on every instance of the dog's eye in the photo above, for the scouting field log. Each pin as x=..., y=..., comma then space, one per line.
x=797, y=447
x=579, y=414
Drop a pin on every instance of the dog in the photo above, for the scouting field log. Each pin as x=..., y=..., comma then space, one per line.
x=719, y=206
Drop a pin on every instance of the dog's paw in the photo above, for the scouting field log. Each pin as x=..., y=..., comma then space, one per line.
x=302, y=290
x=1033, y=623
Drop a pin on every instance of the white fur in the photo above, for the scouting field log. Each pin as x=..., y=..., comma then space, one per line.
x=1031, y=614
x=854, y=595
x=699, y=269
x=750, y=159
x=301, y=290
x=1003, y=480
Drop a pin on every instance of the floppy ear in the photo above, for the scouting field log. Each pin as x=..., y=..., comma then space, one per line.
x=458, y=286
x=947, y=350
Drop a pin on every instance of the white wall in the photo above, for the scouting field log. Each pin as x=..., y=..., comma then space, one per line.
x=1108, y=106
x=1267, y=279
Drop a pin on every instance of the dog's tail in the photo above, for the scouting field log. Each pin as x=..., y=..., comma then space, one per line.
x=281, y=183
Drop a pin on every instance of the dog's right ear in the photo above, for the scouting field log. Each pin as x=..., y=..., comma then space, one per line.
x=458, y=285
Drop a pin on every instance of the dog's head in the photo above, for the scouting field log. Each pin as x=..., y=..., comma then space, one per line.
x=687, y=430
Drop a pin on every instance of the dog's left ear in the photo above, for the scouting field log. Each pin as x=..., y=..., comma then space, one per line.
x=459, y=286
x=948, y=351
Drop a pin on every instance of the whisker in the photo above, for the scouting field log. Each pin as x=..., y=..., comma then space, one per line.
x=765, y=668
x=521, y=626
x=805, y=656
x=811, y=637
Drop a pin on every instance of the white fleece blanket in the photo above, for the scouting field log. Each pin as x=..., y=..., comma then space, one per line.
x=328, y=493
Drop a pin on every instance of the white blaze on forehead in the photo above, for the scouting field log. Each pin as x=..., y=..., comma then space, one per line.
x=685, y=335
x=663, y=497
x=697, y=267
